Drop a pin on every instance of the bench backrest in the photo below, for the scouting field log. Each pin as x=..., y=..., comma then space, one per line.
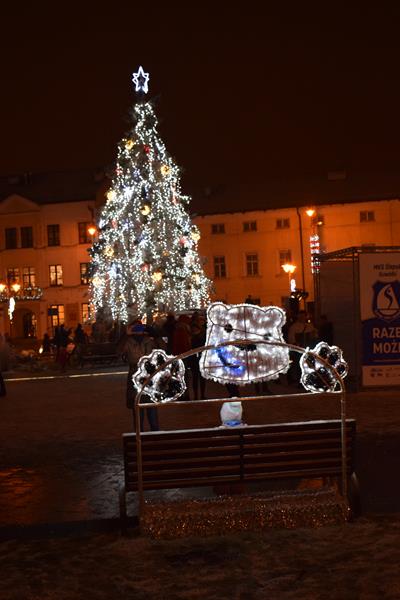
x=204, y=457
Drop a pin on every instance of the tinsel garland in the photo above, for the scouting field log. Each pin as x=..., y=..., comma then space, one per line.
x=227, y=514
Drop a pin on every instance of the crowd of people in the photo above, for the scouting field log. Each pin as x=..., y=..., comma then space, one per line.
x=176, y=334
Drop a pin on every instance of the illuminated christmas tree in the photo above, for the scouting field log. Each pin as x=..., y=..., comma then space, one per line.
x=145, y=258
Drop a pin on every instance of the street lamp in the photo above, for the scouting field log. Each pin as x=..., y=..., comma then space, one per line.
x=289, y=269
x=91, y=230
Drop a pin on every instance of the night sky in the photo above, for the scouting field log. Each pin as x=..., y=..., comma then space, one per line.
x=244, y=93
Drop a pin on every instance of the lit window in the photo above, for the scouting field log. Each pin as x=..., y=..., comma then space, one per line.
x=26, y=237
x=13, y=275
x=366, y=216
x=53, y=235
x=251, y=265
x=84, y=237
x=56, y=314
x=250, y=226
x=56, y=275
x=28, y=277
x=219, y=267
x=84, y=270
x=85, y=312
x=282, y=223
x=11, y=238
x=218, y=228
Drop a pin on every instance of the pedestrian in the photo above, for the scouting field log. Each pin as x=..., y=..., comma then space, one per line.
x=168, y=331
x=46, y=344
x=301, y=333
x=198, y=339
x=138, y=343
x=4, y=362
x=181, y=343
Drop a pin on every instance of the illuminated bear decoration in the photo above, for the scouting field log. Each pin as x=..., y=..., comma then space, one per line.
x=241, y=363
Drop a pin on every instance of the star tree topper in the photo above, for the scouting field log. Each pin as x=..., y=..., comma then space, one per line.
x=141, y=81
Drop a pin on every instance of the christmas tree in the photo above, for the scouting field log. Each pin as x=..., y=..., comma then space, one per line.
x=145, y=258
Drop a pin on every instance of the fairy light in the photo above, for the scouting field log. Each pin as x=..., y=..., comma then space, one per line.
x=149, y=269
x=244, y=364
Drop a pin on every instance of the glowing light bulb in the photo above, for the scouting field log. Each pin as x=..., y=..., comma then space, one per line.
x=145, y=209
x=157, y=276
x=129, y=144
x=195, y=235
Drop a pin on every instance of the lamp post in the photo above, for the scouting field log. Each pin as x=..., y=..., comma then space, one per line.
x=289, y=269
x=92, y=229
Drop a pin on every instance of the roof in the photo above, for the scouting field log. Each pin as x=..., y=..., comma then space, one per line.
x=90, y=184
x=53, y=187
x=340, y=188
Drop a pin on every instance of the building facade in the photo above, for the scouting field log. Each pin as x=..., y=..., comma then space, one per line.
x=44, y=265
x=44, y=241
x=244, y=251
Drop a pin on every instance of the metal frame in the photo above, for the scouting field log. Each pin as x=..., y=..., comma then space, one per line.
x=137, y=405
x=346, y=255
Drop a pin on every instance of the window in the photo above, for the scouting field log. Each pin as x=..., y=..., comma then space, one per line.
x=282, y=223
x=250, y=226
x=251, y=265
x=84, y=269
x=84, y=237
x=219, y=266
x=56, y=314
x=218, y=228
x=56, y=275
x=366, y=216
x=53, y=235
x=11, y=238
x=28, y=277
x=85, y=312
x=285, y=256
x=26, y=237
x=13, y=275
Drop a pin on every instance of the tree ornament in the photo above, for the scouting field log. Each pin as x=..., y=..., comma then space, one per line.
x=141, y=81
x=165, y=170
x=146, y=148
x=108, y=251
x=129, y=144
x=145, y=267
x=157, y=276
x=195, y=235
x=111, y=195
x=145, y=209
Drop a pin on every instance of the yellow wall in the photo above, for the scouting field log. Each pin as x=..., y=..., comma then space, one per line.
x=19, y=212
x=341, y=229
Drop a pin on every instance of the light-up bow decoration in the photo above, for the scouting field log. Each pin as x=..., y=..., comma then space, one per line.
x=244, y=363
x=167, y=384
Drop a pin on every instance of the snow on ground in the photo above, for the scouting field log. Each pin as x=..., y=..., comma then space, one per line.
x=358, y=560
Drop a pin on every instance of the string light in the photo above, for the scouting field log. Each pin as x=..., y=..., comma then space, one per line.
x=247, y=363
x=150, y=269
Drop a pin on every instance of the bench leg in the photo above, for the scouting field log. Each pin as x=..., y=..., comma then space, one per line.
x=354, y=497
x=122, y=509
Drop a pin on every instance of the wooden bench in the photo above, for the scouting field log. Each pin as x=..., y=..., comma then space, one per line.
x=102, y=353
x=218, y=456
